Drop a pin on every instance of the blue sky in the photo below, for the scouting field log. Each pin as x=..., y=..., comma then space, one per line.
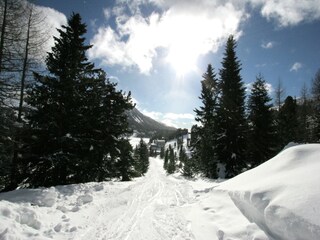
x=159, y=49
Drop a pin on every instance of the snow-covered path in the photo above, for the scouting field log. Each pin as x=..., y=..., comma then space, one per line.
x=156, y=206
x=147, y=209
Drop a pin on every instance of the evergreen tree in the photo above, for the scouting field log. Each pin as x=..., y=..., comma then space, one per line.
x=6, y=135
x=126, y=161
x=171, y=168
x=166, y=159
x=231, y=144
x=261, y=130
x=205, y=115
x=304, y=111
x=162, y=152
x=77, y=117
x=142, y=157
x=194, y=143
x=187, y=168
x=288, y=121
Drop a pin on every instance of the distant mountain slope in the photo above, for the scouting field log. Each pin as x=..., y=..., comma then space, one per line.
x=146, y=126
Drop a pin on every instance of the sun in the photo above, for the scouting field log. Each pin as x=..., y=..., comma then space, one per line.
x=181, y=62
x=182, y=59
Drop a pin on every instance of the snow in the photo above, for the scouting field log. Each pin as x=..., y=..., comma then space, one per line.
x=134, y=141
x=282, y=195
x=277, y=200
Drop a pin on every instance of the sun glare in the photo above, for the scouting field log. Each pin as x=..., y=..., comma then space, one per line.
x=182, y=61
x=184, y=47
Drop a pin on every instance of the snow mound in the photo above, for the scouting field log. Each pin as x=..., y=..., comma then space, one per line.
x=282, y=195
x=42, y=197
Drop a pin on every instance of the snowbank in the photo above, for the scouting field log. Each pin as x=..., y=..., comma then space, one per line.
x=282, y=196
x=43, y=213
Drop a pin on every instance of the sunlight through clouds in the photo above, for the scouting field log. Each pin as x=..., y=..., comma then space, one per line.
x=185, y=31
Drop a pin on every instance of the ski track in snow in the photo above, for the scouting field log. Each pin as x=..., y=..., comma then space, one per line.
x=145, y=210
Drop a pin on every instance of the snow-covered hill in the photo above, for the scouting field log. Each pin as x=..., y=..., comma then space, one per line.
x=147, y=126
x=277, y=200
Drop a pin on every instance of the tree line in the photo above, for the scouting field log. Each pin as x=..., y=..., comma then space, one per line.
x=234, y=135
x=69, y=123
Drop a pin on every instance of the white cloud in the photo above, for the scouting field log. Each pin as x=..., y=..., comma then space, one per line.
x=53, y=20
x=152, y=114
x=267, y=45
x=288, y=12
x=107, y=13
x=171, y=119
x=175, y=116
x=186, y=29
x=268, y=86
x=295, y=67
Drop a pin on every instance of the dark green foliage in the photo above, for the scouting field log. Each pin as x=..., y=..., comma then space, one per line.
x=126, y=161
x=261, y=145
x=305, y=112
x=77, y=116
x=6, y=137
x=204, y=147
x=171, y=167
x=232, y=129
x=141, y=158
x=288, y=122
x=162, y=152
x=166, y=159
x=187, y=163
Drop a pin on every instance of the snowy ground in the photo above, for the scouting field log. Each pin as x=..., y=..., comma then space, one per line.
x=158, y=206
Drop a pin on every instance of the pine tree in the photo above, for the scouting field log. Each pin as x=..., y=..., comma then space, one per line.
x=142, y=158
x=261, y=131
x=288, y=121
x=231, y=146
x=162, y=153
x=304, y=112
x=126, y=161
x=171, y=168
x=205, y=115
x=187, y=167
x=78, y=116
x=166, y=159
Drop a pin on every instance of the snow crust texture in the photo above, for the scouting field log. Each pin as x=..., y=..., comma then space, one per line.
x=282, y=196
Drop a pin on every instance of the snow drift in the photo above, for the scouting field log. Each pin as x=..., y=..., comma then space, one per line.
x=282, y=195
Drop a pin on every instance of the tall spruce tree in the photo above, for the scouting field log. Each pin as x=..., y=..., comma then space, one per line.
x=231, y=144
x=142, y=157
x=166, y=159
x=171, y=167
x=304, y=115
x=77, y=116
x=206, y=115
x=126, y=161
x=288, y=121
x=187, y=163
x=261, y=129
